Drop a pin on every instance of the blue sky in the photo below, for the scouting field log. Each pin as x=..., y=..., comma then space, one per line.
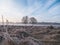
x=42, y=10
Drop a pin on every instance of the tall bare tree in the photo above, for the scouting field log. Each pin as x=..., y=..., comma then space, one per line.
x=25, y=19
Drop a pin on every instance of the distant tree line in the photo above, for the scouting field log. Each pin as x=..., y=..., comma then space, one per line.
x=31, y=20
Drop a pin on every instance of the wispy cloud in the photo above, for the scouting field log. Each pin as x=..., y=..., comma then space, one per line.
x=43, y=10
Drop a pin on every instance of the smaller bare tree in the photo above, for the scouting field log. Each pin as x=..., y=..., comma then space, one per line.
x=32, y=20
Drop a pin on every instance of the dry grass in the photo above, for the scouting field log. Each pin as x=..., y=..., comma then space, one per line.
x=47, y=35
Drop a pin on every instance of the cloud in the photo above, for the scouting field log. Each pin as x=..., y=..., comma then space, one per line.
x=9, y=11
x=14, y=10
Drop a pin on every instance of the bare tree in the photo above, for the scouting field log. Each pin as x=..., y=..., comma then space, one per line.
x=25, y=19
x=32, y=20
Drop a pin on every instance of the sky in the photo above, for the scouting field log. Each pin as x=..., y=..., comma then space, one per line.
x=42, y=10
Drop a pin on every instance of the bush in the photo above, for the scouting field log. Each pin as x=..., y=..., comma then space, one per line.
x=50, y=27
